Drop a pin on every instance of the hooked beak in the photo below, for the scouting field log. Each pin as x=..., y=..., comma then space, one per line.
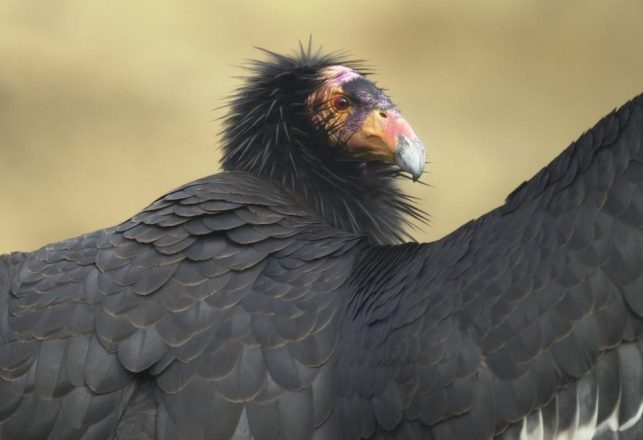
x=409, y=156
x=386, y=135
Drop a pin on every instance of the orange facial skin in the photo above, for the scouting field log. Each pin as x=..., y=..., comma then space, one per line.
x=379, y=135
x=358, y=116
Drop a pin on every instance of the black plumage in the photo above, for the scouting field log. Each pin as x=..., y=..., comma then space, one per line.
x=272, y=300
x=268, y=132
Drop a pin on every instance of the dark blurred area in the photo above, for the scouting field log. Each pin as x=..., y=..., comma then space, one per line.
x=104, y=106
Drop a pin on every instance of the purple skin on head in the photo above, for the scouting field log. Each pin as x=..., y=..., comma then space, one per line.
x=358, y=115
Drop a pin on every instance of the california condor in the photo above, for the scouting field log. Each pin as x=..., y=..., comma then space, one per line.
x=276, y=300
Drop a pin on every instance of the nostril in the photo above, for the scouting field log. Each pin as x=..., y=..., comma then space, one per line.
x=384, y=115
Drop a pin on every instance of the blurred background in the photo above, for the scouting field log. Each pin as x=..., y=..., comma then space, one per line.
x=104, y=106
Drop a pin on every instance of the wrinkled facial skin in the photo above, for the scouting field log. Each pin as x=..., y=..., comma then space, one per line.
x=362, y=97
x=358, y=116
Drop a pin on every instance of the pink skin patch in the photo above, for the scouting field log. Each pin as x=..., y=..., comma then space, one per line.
x=334, y=77
x=338, y=75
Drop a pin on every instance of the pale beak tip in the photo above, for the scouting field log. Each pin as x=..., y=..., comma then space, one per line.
x=410, y=155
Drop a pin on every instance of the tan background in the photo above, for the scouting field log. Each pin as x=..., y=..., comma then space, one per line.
x=106, y=105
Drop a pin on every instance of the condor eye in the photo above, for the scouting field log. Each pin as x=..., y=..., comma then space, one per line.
x=341, y=102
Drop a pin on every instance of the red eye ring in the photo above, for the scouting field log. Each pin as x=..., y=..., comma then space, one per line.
x=341, y=102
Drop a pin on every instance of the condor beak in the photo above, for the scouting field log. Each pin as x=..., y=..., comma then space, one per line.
x=409, y=156
x=386, y=135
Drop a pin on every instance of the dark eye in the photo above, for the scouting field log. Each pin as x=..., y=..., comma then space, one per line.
x=341, y=102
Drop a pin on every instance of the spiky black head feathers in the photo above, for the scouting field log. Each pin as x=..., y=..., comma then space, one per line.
x=269, y=131
x=268, y=116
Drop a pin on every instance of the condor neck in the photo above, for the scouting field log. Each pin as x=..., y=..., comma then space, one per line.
x=349, y=194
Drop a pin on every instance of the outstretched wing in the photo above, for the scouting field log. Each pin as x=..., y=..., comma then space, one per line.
x=210, y=313
x=527, y=320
